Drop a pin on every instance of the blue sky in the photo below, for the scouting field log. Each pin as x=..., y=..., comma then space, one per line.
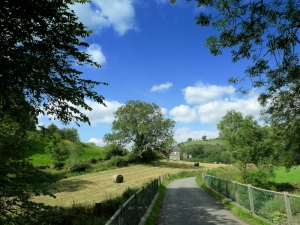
x=153, y=51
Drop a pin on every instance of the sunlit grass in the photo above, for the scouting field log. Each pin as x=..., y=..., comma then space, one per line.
x=284, y=176
x=89, y=151
x=209, y=142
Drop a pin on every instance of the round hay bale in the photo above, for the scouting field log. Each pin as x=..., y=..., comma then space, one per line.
x=117, y=178
x=196, y=164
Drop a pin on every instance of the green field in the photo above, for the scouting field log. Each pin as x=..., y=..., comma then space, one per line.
x=292, y=176
x=209, y=142
x=39, y=157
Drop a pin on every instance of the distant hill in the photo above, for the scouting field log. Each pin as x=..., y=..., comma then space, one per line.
x=209, y=142
x=39, y=157
x=213, y=151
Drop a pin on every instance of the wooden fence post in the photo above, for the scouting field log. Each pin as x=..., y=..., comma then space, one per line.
x=236, y=193
x=288, y=207
x=251, y=198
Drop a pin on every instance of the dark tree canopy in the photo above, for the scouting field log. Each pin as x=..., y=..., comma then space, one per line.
x=40, y=43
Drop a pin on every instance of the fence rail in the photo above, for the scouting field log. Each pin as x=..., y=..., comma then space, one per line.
x=275, y=207
x=132, y=211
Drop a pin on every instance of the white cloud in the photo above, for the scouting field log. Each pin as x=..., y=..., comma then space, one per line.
x=101, y=14
x=182, y=134
x=98, y=141
x=164, y=111
x=96, y=54
x=184, y=114
x=213, y=102
x=100, y=113
x=212, y=112
x=161, y=87
x=202, y=93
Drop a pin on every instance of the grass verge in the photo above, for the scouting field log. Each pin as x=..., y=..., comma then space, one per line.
x=238, y=211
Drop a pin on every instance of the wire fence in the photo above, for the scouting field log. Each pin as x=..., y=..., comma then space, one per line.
x=132, y=211
x=274, y=207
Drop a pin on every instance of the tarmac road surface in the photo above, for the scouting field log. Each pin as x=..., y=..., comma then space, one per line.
x=185, y=203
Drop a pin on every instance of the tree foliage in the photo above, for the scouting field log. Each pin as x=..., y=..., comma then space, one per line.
x=189, y=140
x=244, y=138
x=19, y=180
x=266, y=33
x=41, y=41
x=143, y=125
x=57, y=150
x=196, y=151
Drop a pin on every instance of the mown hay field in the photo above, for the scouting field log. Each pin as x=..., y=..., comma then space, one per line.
x=95, y=187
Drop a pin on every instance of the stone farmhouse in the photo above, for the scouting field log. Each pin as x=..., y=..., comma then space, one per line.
x=175, y=154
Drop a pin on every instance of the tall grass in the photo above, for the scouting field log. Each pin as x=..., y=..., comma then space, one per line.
x=78, y=214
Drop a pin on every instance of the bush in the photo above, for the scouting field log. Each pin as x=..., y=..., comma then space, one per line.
x=77, y=165
x=92, y=161
x=148, y=156
x=260, y=177
x=113, y=150
x=118, y=161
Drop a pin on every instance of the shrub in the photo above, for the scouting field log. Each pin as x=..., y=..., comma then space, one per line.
x=77, y=165
x=131, y=157
x=118, y=161
x=148, y=156
x=92, y=161
x=113, y=150
x=260, y=177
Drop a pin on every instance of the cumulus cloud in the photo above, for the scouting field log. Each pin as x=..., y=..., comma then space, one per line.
x=201, y=93
x=161, y=87
x=212, y=112
x=100, y=113
x=213, y=102
x=96, y=54
x=97, y=141
x=164, y=111
x=100, y=14
x=182, y=134
x=184, y=114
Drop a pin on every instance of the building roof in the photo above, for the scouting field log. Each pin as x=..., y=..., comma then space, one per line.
x=176, y=150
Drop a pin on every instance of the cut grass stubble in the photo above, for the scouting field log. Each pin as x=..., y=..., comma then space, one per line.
x=96, y=187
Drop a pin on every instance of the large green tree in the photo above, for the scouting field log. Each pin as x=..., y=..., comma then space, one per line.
x=145, y=127
x=266, y=33
x=244, y=138
x=41, y=41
